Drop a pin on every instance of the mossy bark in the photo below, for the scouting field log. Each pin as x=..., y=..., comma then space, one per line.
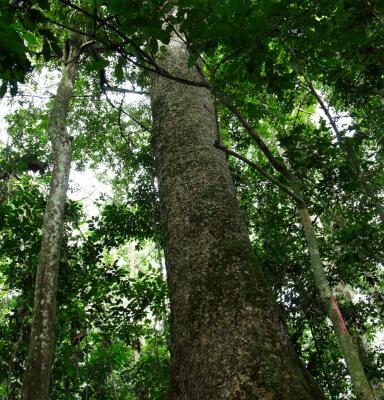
x=39, y=360
x=227, y=339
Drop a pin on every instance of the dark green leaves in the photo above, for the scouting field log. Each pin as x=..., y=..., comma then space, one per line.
x=44, y=4
x=97, y=65
x=14, y=63
x=3, y=89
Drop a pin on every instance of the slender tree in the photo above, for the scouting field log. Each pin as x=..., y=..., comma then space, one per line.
x=350, y=351
x=227, y=339
x=39, y=360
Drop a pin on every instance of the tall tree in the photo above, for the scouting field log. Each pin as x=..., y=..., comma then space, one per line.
x=39, y=360
x=227, y=338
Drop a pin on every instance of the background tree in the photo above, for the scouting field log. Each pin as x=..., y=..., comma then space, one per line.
x=250, y=53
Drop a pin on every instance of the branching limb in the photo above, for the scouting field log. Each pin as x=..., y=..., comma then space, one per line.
x=298, y=200
x=81, y=49
x=127, y=141
x=144, y=127
x=278, y=165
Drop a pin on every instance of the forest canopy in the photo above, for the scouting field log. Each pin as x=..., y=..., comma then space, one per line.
x=232, y=247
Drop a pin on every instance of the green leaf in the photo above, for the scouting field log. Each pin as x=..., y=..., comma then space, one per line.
x=30, y=38
x=3, y=89
x=97, y=65
x=154, y=46
x=164, y=36
x=119, y=71
x=44, y=4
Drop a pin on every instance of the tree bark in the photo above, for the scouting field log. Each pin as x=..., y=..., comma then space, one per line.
x=227, y=339
x=39, y=360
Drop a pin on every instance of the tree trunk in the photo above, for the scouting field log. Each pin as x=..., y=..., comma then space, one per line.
x=39, y=361
x=136, y=344
x=227, y=340
x=350, y=351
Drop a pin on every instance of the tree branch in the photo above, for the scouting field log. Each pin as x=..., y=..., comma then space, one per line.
x=279, y=166
x=82, y=47
x=122, y=90
x=298, y=200
x=156, y=68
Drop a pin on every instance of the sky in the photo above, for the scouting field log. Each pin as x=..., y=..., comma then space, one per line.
x=88, y=187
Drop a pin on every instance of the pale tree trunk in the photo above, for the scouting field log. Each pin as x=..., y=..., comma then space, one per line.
x=39, y=360
x=227, y=339
x=136, y=344
x=377, y=386
x=350, y=351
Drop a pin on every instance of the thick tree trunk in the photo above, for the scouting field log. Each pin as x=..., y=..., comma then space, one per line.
x=350, y=351
x=39, y=361
x=227, y=340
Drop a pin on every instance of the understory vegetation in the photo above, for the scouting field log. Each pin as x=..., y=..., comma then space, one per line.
x=298, y=91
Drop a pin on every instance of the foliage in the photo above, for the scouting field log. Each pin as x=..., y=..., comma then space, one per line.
x=262, y=56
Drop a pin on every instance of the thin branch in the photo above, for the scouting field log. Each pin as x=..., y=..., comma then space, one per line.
x=122, y=90
x=127, y=141
x=298, y=200
x=105, y=23
x=145, y=128
x=104, y=84
x=299, y=69
x=125, y=54
x=157, y=69
x=340, y=139
x=279, y=166
x=299, y=108
x=228, y=57
x=69, y=28
x=81, y=233
x=47, y=97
